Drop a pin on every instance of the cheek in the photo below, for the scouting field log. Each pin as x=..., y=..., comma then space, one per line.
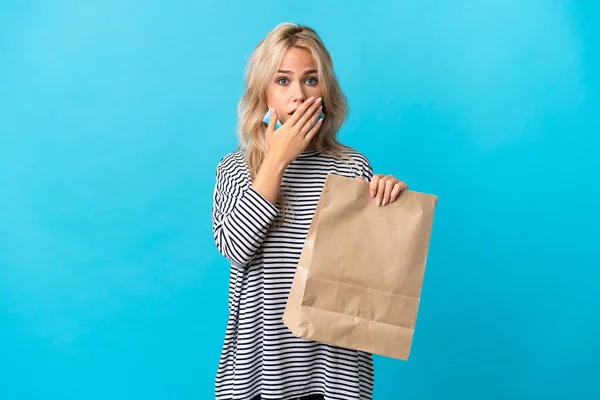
x=275, y=100
x=274, y=97
x=283, y=116
x=314, y=91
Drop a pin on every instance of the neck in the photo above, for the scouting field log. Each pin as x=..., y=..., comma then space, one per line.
x=311, y=147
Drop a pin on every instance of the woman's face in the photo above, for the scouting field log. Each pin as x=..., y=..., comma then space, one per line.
x=295, y=81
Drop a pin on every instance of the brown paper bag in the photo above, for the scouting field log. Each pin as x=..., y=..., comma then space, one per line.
x=360, y=273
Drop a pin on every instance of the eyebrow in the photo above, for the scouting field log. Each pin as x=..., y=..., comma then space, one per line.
x=285, y=71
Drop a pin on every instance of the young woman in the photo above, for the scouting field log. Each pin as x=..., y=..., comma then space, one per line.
x=264, y=200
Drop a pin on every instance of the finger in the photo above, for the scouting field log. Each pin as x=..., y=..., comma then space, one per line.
x=311, y=121
x=309, y=136
x=389, y=185
x=300, y=111
x=380, y=190
x=310, y=117
x=398, y=187
x=396, y=191
x=360, y=178
x=374, y=184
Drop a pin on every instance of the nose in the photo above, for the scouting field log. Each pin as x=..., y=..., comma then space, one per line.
x=298, y=93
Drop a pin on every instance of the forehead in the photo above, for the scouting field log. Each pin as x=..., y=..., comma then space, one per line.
x=297, y=60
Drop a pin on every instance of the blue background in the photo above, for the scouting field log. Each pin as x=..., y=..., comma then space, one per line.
x=115, y=114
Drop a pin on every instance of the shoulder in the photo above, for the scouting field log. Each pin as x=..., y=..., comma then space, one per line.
x=360, y=162
x=358, y=156
x=234, y=160
x=233, y=167
x=357, y=163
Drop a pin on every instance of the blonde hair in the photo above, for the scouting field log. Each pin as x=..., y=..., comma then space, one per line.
x=262, y=66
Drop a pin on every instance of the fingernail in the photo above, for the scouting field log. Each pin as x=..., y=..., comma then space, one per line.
x=319, y=100
x=378, y=201
x=385, y=201
x=372, y=193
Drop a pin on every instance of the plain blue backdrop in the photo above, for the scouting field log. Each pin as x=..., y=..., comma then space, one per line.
x=114, y=115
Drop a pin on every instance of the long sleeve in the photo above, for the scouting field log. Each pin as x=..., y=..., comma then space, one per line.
x=241, y=215
x=362, y=166
x=367, y=171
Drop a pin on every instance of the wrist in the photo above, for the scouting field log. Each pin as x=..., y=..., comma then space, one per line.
x=274, y=165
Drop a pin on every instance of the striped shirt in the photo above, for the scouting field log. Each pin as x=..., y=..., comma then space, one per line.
x=260, y=355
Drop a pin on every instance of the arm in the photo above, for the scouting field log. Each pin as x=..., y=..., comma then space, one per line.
x=241, y=214
x=268, y=179
x=367, y=170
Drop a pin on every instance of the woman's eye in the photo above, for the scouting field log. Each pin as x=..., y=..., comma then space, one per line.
x=310, y=81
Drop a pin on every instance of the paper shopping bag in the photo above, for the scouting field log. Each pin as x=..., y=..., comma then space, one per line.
x=359, y=277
